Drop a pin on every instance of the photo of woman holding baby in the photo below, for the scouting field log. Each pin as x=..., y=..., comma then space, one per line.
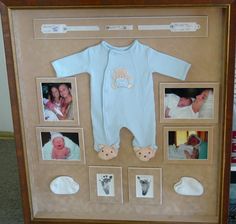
x=188, y=145
x=57, y=101
x=190, y=102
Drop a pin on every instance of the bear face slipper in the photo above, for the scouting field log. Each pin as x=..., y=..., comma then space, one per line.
x=64, y=185
x=107, y=152
x=189, y=186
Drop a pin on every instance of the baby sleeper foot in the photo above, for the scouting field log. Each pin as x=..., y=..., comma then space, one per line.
x=144, y=154
x=107, y=152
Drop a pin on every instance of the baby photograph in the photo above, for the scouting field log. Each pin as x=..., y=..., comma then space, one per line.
x=188, y=145
x=188, y=103
x=60, y=145
x=57, y=101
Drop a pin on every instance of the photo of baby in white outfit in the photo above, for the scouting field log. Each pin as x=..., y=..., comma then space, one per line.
x=185, y=145
x=189, y=103
x=60, y=146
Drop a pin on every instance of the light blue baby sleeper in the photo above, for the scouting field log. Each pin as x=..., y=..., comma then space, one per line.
x=122, y=88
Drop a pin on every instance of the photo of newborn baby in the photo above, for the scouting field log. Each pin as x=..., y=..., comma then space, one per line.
x=59, y=150
x=188, y=144
x=57, y=145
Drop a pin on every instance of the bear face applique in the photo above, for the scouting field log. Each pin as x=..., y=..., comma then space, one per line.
x=121, y=79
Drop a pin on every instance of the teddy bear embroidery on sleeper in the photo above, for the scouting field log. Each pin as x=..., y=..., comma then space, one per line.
x=121, y=78
x=122, y=92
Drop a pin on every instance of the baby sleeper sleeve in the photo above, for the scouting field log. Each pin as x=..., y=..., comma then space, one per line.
x=72, y=64
x=167, y=65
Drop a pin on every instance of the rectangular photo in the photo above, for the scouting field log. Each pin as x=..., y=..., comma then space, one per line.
x=57, y=101
x=106, y=184
x=191, y=102
x=145, y=185
x=61, y=144
x=188, y=145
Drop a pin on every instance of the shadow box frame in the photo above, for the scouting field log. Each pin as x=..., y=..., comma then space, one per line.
x=226, y=85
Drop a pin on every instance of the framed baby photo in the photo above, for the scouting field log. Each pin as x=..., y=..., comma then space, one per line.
x=61, y=145
x=189, y=102
x=145, y=185
x=106, y=184
x=57, y=101
x=188, y=145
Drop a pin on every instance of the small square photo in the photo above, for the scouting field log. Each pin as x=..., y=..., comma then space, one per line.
x=62, y=145
x=57, y=100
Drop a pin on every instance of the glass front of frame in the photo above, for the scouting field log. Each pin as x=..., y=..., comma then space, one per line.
x=119, y=104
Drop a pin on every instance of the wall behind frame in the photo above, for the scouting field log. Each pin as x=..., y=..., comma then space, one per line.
x=5, y=108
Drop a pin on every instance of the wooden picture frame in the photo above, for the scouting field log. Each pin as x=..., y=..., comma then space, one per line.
x=207, y=42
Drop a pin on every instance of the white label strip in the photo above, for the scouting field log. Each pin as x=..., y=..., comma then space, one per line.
x=173, y=27
x=153, y=27
x=119, y=27
x=62, y=28
x=83, y=28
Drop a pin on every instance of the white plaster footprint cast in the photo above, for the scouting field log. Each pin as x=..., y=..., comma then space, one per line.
x=189, y=186
x=64, y=185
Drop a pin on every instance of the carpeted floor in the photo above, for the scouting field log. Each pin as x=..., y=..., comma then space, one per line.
x=10, y=202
